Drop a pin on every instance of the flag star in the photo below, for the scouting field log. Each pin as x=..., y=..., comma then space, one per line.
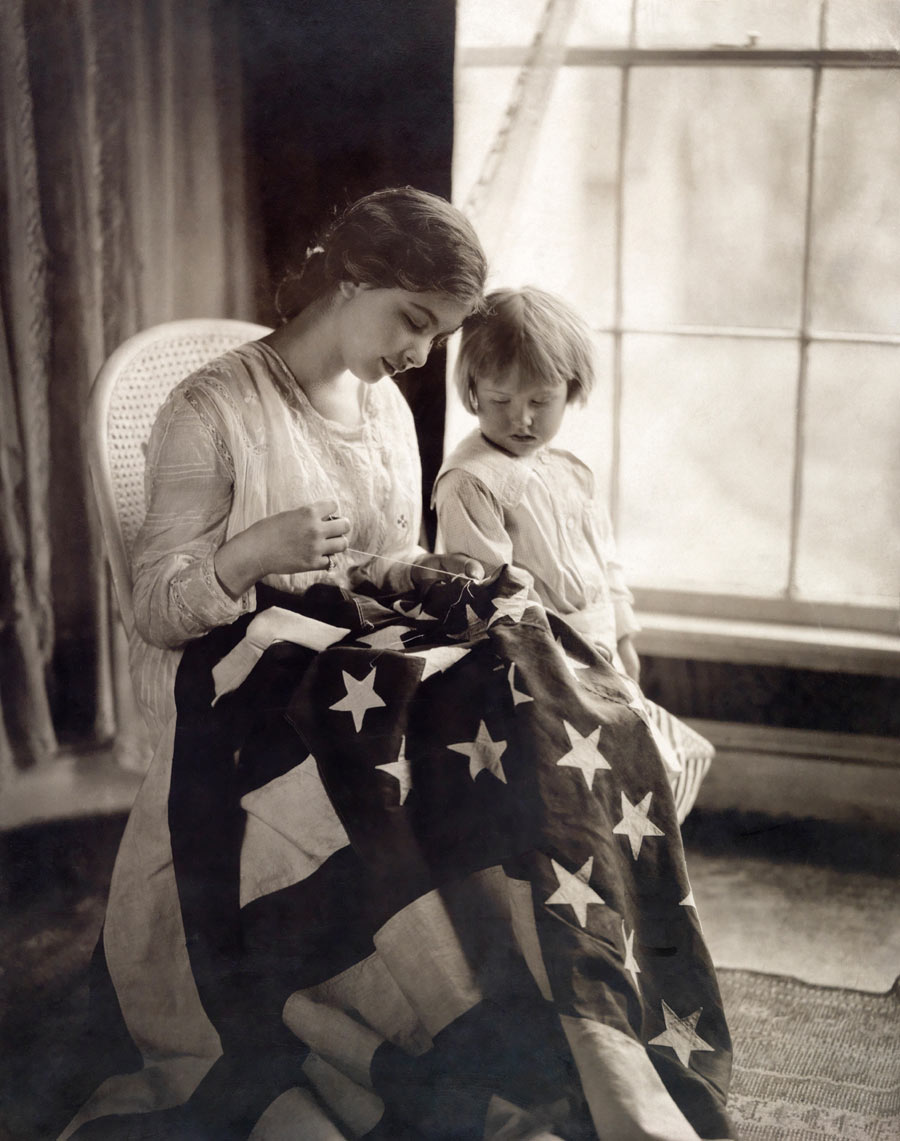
x=400, y=771
x=585, y=754
x=631, y=963
x=634, y=823
x=575, y=889
x=483, y=753
x=387, y=638
x=680, y=1034
x=473, y=622
x=361, y=697
x=439, y=659
x=415, y=611
x=517, y=695
x=512, y=607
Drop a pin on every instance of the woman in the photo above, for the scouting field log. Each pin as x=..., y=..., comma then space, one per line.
x=376, y=891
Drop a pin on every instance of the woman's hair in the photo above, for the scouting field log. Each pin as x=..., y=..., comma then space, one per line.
x=537, y=332
x=398, y=238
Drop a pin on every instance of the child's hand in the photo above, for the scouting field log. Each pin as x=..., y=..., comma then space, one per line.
x=432, y=568
x=630, y=659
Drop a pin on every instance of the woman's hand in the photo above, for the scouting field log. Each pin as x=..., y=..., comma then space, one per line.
x=304, y=539
x=431, y=568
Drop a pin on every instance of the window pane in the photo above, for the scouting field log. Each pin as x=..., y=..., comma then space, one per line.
x=714, y=199
x=737, y=23
x=560, y=229
x=492, y=23
x=849, y=544
x=501, y=22
x=588, y=431
x=706, y=477
x=856, y=222
x=863, y=24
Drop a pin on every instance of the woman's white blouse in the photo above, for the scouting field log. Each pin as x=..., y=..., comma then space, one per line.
x=234, y=443
x=540, y=514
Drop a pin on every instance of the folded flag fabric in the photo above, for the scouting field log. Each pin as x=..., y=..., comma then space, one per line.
x=428, y=883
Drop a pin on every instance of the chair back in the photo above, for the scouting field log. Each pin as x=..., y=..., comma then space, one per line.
x=126, y=396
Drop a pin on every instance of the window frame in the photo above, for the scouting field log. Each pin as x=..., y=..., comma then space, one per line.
x=790, y=607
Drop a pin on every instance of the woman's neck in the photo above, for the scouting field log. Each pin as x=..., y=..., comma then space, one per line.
x=309, y=347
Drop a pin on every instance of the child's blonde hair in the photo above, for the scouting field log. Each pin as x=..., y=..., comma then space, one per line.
x=536, y=331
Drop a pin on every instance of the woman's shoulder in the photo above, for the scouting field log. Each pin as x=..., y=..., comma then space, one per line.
x=230, y=373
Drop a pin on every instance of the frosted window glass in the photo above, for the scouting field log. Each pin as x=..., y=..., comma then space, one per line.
x=706, y=476
x=849, y=541
x=731, y=23
x=560, y=228
x=863, y=24
x=714, y=198
x=588, y=431
x=480, y=100
x=507, y=23
x=497, y=22
x=855, y=283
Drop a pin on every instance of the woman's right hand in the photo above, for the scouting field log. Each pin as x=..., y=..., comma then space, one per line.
x=303, y=539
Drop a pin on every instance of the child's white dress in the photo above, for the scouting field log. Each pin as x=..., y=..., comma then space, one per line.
x=540, y=513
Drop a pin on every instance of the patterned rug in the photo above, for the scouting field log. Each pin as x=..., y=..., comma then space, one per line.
x=812, y=1063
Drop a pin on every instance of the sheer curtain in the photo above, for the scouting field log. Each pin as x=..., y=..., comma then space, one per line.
x=123, y=185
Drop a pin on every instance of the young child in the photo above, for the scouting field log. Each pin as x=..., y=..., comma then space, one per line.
x=505, y=496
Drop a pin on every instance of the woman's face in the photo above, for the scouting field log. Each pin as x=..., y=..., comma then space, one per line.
x=385, y=331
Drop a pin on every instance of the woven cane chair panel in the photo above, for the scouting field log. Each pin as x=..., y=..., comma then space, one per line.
x=140, y=391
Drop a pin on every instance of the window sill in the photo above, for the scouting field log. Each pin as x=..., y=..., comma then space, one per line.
x=768, y=643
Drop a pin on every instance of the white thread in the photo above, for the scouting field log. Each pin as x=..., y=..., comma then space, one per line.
x=402, y=563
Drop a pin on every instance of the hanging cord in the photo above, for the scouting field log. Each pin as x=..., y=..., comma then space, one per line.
x=503, y=170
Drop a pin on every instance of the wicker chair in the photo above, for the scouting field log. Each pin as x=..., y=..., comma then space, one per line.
x=128, y=392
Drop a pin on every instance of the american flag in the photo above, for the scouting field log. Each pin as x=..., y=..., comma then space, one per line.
x=432, y=885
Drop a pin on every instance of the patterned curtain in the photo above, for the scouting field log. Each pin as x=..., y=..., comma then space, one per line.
x=123, y=182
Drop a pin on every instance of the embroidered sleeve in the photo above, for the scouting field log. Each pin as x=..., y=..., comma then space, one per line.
x=189, y=481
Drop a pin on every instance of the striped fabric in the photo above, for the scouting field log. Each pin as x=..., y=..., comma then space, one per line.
x=692, y=750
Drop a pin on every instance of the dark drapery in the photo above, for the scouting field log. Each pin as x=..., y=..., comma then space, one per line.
x=343, y=99
x=122, y=181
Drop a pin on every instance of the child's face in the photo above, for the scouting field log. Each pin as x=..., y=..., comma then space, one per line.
x=519, y=416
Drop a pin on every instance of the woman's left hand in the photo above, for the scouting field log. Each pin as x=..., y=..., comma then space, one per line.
x=431, y=568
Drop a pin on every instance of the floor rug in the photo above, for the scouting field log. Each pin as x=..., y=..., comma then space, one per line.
x=812, y=1063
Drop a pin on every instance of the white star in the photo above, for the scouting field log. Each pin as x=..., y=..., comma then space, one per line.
x=680, y=1035
x=571, y=665
x=474, y=624
x=387, y=638
x=517, y=695
x=688, y=900
x=513, y=607
x=439, y=659
x=585, y=754
x=361, y=697
x=483, y=753
x=400, y=771
x=414, y=611
x=575, y=889
x=634, y=823
x=631, y=963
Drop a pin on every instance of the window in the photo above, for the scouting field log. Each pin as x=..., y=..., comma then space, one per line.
x=716, y=185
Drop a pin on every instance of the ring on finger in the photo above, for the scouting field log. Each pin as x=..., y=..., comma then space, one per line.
x=331, y=563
